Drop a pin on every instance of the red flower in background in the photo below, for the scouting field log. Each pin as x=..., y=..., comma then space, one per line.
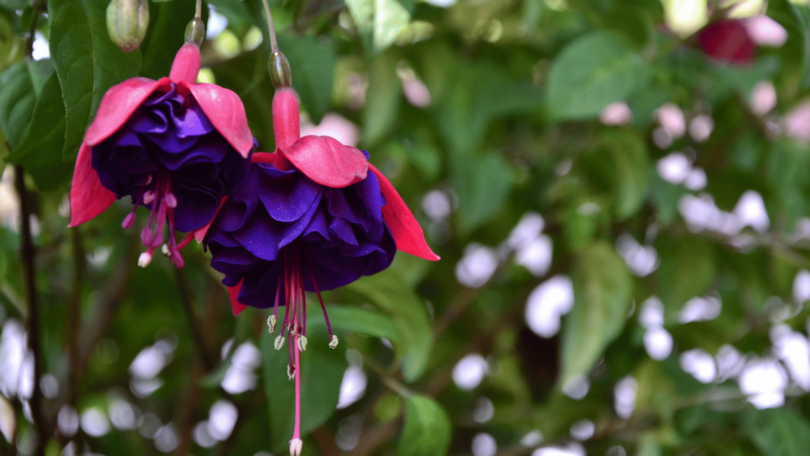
x=727, y=39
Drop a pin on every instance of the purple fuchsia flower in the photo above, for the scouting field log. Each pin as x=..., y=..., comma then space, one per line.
x=308, y=217
x=173, y=146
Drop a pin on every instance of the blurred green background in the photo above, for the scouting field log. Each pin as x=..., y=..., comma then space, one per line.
x=619, y=191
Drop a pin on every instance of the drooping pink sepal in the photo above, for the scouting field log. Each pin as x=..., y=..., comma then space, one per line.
x=326, y=161
x=118, y=105
x=186, y=64
x=88, y=197
x=233, y=293
x=227, y=114
x=407, y=233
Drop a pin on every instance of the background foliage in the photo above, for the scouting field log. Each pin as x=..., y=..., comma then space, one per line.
x=621, y=220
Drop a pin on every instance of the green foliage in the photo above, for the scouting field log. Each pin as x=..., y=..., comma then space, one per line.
x=482, y=114
x=427, y=428
x=602, y=288
x=591, y=73
x=86, y=61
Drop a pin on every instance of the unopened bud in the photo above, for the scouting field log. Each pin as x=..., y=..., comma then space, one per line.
x=127, y=21
x=279, y=343
x=333, y=343
x=290, y=372
x=271, y=323
x=195, y=31
x=302, y=343
x=279, y=70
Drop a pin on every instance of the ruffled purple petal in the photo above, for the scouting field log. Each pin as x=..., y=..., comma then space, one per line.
x=340, y=233
x=170, y=136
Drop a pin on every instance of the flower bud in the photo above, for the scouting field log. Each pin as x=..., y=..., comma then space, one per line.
x=127, y=21
x=195, y=31
x=279, y=70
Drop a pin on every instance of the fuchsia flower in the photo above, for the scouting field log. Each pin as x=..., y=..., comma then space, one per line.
x=727, y=39
x=172, y=145
x=308, y=217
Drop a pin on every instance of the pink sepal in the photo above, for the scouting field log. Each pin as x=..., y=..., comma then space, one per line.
x=186, y=65
x=407, y=233
x=227, y=114
x=88, y=197
x=233, y=293
x=326, y=161
x=199, y=233
x=118, y=104
x=286, y=118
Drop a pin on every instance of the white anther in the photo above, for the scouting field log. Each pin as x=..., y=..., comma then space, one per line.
x=144, y=259
x=296, y=445
x=170, y=200
x=334, y=342
x=165, y=250
x=148, y=180
x=271, y=323
x=293, y=330
x=148, y=196
x=279, y=343
x=302, y=343
x=290, y=372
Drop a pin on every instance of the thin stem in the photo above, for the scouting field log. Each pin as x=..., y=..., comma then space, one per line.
x=208, y=358
x=28, y=254
x=270, y=27
x=32, y=31
x=198, y=13
x=73, y=318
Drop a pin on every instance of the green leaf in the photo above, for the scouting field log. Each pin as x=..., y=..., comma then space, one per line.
x=602, y=291
x=234, y=10
x=427, y=429
x=13, y=5
x=313, y=68
x=17, y=100
x=483, y=184
x=362, y=321
x=40, y=152
x=794, y=51
x=779, y=431
x=389, y=19
x=631, y=169
x=595, y=70
x=382, y=99
x=687, y=269
x=87, y=63
x=322, y=371
x=379, y=21
x=388, y=292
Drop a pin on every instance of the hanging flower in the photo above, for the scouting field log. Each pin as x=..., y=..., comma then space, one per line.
x=173, y=146
x=313, y=216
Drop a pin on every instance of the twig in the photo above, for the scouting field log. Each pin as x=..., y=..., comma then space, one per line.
x=73, y=317
x=32, y=29
x=209, y=360
x=28, y=255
